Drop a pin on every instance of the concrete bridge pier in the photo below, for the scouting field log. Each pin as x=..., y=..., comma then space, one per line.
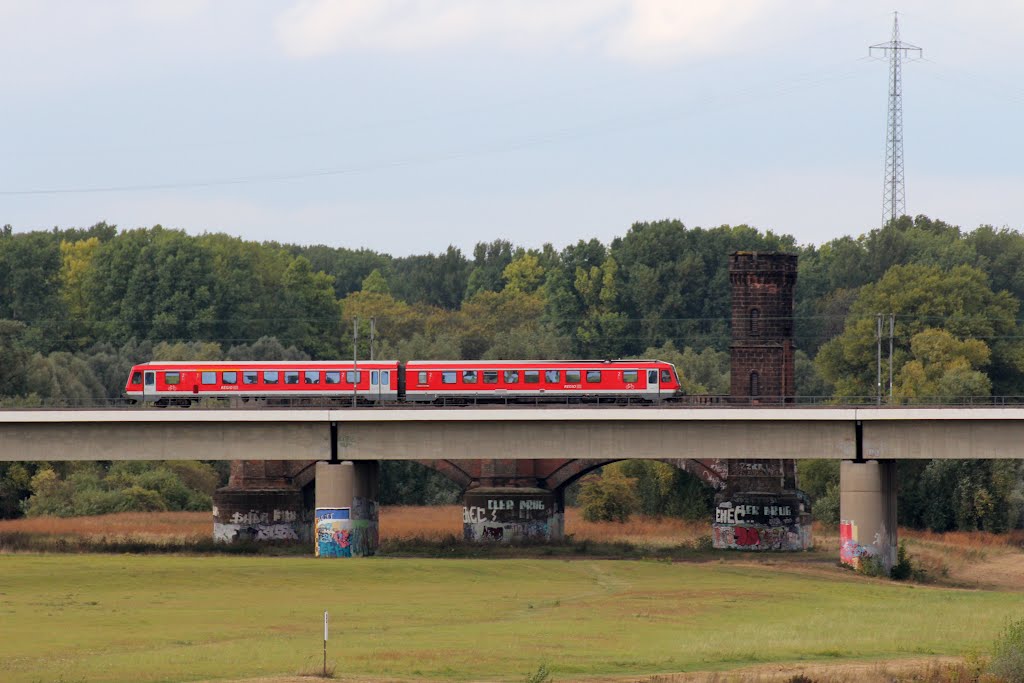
x=867, y=512
x=346, y=516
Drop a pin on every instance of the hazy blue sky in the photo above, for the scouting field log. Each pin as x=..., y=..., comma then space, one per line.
x=405, y=126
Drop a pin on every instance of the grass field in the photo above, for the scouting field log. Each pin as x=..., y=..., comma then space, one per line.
x=104, y=617
x=146, y=618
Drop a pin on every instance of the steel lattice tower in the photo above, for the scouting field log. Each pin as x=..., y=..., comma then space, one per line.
x=894, y=201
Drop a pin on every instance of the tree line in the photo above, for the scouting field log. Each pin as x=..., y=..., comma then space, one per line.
x=79, y=306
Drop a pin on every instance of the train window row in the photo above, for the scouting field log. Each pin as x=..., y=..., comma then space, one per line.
x=529, y=376
x=212, y=377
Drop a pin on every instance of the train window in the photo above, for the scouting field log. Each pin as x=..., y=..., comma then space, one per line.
x=311, y=376
x=209, y=378
x=332, y=377
x=531, y=376
x=150, y=379
x=449, y=376
x=291, y=377
x=490, y=376
x=353, y=377
x=594, y=376
x=666, y=377
x=374, y=378
x=230, y=377
x=250, y=377
x=469, y=377
x=572, y=376
x=422, y=378
x=511, y=376
x=172, y=377
x=551, y=376
x=630, y=375
x=270, y=376
x=136, y=377
x=385, y=378
x=652, y=376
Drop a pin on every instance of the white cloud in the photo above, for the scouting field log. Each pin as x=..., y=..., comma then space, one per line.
x=635, y=30
x=318, y=27
x=658, y=30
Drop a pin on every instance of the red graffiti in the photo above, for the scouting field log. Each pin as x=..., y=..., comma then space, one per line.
x=746, y=536
x=342, y=537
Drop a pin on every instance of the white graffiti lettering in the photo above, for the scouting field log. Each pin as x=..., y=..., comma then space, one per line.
x=473, y=515
x=251, y=517
x=531, y=505
x=276, y=532
x=285, y=515
x=501, y=505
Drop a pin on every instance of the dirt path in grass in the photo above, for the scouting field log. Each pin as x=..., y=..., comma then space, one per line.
x=917, y=668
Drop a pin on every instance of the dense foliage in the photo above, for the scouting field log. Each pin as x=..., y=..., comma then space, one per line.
x=79, y=306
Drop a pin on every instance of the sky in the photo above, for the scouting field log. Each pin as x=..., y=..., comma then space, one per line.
x=404, y=126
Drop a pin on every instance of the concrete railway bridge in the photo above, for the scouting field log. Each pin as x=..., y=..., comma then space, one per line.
x=514, y=463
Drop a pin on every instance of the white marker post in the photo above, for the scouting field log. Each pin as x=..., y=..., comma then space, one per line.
x=325, y=643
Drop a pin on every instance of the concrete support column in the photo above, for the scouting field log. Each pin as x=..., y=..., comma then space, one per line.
x=347, y=522
x=506, y=514
x=867, y=512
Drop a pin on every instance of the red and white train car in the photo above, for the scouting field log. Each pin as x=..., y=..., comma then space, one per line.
x=533, y=380
x=182, y=383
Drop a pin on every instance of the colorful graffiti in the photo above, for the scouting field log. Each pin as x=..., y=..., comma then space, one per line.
x=509, y=515
x=341, y=532
x=254, y=525
x=762, y=521
x=850, y=549
x=333, y=532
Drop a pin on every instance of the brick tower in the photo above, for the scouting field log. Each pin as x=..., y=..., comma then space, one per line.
x=762, y=326
x=760, y=507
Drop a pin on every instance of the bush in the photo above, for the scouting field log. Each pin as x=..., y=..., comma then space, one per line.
x=91, y=489
x=608, y=497
x=904, y=568
x=1008, y=655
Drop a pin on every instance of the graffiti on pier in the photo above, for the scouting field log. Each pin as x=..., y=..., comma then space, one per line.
x=256, y=525
x=503, y=515
x=760, y=521
x=333, y=532
x=339, y=533
x=792, y=537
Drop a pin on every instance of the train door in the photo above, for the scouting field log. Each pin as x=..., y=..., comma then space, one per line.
x=653, y=387
x=375, y=385
x=148, y=384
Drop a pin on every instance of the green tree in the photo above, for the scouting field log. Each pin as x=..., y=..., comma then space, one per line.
x=608, y=497
x=375, y=283
x=943, y=369
x=490, y=259
x=958, y=301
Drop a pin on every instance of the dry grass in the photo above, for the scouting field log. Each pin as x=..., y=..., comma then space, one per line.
x=408, y=522
x=166, y=527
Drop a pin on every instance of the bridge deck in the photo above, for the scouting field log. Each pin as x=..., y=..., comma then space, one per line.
x=520, y=432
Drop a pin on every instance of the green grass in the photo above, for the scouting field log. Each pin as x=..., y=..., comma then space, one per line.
x=172, y=618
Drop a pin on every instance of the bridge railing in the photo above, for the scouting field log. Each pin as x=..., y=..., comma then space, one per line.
x=694, y=401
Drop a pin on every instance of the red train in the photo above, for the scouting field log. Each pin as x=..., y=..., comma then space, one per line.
x=419, y=381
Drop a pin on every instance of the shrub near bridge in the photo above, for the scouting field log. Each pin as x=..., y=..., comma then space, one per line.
x=608, y=497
